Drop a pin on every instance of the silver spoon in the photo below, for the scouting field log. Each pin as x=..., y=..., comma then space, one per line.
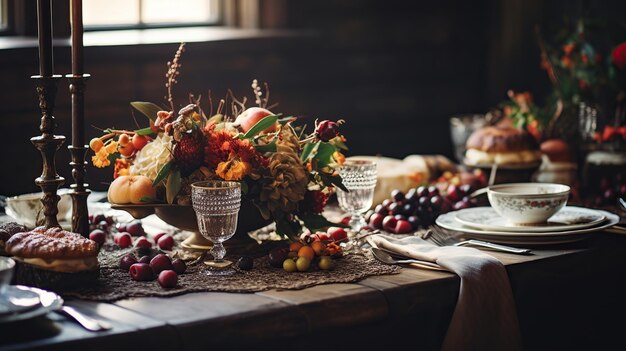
x=85, y=321
x=384, y=257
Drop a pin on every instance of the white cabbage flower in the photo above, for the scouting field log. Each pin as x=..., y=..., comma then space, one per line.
x=149, y=160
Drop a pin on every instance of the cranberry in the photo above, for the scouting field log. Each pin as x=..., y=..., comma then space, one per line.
x=99, y=218
x=389, y=223
x=141, y=272
x=134, y=228
x=403, y=227
x=121, y=227
x=160, y=262
x=126, y=261
x=124, y=240
x=326, y=237
x=144, y=259
x=245, y=263
x=157, y=237
x=98, y=236
x=104, y=225
x=143, y=244
x=376, y=221
x=179, y=266
x=337, y=234
x=453, y=193
x=166, y=242
x=109, y=220
x=168, y=279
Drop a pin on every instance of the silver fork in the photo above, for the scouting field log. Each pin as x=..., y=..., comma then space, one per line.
x=442, y=237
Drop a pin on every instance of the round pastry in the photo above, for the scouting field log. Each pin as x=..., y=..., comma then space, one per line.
x=53, y=258
x=557, y=150
x=501, y=146
x=7, y=230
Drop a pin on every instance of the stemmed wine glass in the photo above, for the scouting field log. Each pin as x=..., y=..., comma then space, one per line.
x=217, y=204
x=359, y=177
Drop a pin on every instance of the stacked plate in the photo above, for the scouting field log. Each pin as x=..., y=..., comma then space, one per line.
x=568, y=225
x=19, y=302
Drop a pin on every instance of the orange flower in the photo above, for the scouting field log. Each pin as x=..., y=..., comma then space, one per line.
x=122, y=166
x=234, y=169
x=339, y=157
x=568, y=48
x=566, y=62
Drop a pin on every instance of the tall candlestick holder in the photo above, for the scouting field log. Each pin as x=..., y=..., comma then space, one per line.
x=48, y=144
x=80, y=191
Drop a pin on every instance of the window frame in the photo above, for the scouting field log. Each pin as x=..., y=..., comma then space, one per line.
x=217, y=7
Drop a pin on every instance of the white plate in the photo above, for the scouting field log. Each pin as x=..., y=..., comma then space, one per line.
x=568, y=218
x=15, y=300
x=49, y=302
x=448, y=221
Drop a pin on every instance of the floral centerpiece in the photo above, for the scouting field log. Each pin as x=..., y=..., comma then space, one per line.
x=284, y=171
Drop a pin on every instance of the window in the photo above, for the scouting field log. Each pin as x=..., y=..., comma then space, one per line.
x=101, y=14
x=3, y=15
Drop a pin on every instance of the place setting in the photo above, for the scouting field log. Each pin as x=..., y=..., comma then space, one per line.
x=528, y=214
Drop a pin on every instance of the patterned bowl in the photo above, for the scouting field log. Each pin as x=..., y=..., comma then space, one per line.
x=528, y=203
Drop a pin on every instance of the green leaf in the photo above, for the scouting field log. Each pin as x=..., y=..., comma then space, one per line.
x=146, y=199
x=334, y=180
x=317, y=222
x=114, y=156
x=172, y=186
x=261, y=125
x=271, y=147
x=338, y=142
x=309, y=150
x=148, y=109
x=144, y=131
x=244, y=188
x=163, y=172
x=325, y=153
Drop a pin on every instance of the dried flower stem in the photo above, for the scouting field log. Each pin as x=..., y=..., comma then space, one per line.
x=173, y=71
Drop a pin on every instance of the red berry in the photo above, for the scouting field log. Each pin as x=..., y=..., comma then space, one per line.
x=126, y=261
x=179, y=266
x=98, y=236
x=345, y=220
x=389, y=223
x=141, y=272
x=143, y=244
x=453, y=193
x=376, y=221
x=134, y=228
x=338, y=234
x=144, y=259
x=403, y=227
x=166, y=242
x=160, y=262
x=168, y=279
x=121, y=227
x=323, y=236
x=157, y=237
x=124, y=240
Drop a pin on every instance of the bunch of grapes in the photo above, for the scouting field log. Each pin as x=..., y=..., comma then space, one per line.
x=611, y=188
x=418, y=208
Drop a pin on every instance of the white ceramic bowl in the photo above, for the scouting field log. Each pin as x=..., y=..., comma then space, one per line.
x=528, y=203
x=7, y=265
x=27, y=209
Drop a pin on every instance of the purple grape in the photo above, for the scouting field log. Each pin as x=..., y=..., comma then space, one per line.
x=433, y=191
x=381, y=209
x=397, y=195
x=421, y=191
x=400, y=217
x=411, y=196
x=415, y=222
x=436, y=202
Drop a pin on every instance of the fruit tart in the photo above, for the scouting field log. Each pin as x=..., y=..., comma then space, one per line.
x=53, y=258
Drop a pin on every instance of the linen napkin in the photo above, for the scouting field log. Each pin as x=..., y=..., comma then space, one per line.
x=485, y=317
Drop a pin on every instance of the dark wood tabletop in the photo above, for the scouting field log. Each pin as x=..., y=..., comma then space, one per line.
x=568, y=297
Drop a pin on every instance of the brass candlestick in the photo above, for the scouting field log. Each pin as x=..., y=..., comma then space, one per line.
x=80, y=191
x=48, y=144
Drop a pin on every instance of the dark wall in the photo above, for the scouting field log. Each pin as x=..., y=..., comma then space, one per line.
x=394, y=70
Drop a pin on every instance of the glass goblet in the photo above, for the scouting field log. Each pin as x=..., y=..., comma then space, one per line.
x=359, y=177
x=217, y=204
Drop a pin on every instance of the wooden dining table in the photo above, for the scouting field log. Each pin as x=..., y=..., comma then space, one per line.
x=568, y=296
